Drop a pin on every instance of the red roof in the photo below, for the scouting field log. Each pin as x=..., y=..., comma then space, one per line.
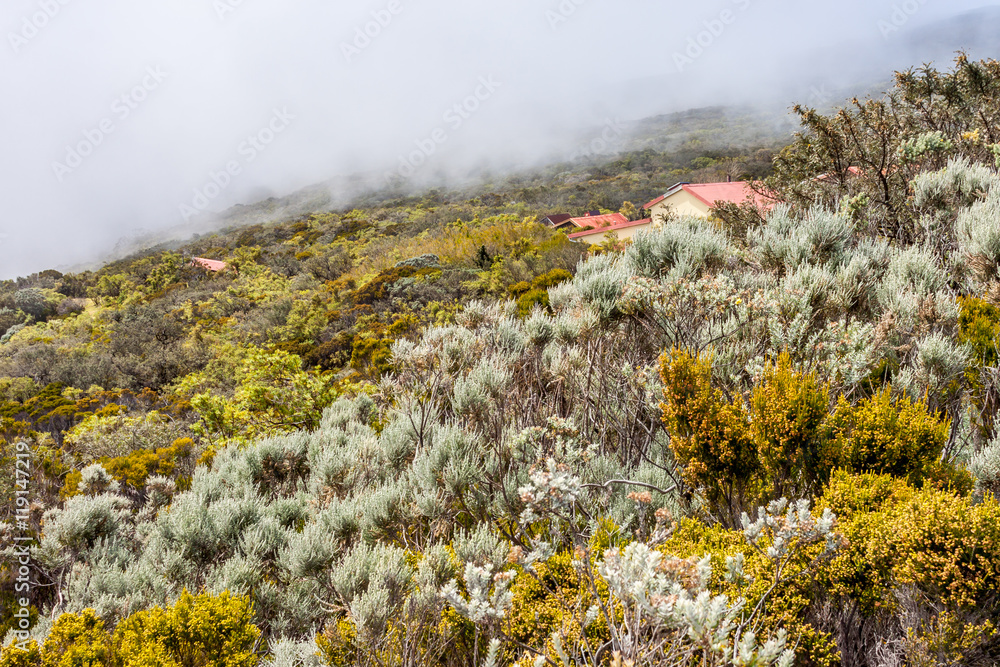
x=736, y=192
x=653, y=203
x=710, y=193
x=669, y=192
x=851, y=171
x=601, y=230
x=599, y=220
x=209, y=264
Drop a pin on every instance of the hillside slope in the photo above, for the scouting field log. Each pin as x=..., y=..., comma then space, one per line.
x=432, y=432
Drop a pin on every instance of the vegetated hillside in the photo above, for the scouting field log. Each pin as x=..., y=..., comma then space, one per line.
x=325, y=294
x=423, y=433
x=619, y=161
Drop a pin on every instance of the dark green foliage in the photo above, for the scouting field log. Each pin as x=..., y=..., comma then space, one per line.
x=861, y=150
x=34, y=302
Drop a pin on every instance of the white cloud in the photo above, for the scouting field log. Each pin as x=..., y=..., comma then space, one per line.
x=229, y=68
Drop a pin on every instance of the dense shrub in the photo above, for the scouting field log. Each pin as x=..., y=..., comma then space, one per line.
x=944, y=545
x=789, y=431
x=708, y=434
x=886, y=435
x=787, y=441
x=202, y=631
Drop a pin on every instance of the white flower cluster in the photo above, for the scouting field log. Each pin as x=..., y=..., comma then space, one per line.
x=552, y=490
x=489, y=595
x=782, y=526
x=668, y=611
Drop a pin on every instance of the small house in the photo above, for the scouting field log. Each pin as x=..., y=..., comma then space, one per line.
x=212, y=265
x=621, y=230
x=594, y=220
x=697, y=199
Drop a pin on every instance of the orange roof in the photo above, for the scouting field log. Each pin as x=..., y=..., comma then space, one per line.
x=601, y=230
x=599, y=220
x=736, y=192
x=851, y=171
x=209, y=264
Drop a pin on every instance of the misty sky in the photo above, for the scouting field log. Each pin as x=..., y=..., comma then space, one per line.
x=120, y=116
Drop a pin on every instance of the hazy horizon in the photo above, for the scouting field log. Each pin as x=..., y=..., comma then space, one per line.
x=125, y=118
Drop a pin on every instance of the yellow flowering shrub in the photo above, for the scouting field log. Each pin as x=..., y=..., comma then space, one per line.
x=12, y=656
x=78, y=640
x=708, y=435
x=886, y=435
x=135, y=468
x=336, y=643
x=198, y=631
x=979, y=331
x=787, y=605
x=788, y=426
x=555, y=598
x=942, y=544
x=787, y=443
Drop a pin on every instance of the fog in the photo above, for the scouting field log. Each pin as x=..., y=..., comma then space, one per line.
x=124, y=117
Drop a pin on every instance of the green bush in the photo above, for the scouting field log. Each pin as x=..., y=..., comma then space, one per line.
x=78, y=640
x=708, y=434
x=789, y=442
x=788, y=418
x=531, y=299
x=550, y=599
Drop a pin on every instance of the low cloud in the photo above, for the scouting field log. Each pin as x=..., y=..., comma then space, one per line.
x=122, y=118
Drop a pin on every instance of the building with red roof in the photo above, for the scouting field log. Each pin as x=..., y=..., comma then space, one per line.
x=683, y=199
x=595, y=220
x=697, y=199
x=212, y=265
x=621, y=231
x=556, y=221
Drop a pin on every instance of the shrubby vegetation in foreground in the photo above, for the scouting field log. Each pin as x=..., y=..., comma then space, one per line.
x=756, y=440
